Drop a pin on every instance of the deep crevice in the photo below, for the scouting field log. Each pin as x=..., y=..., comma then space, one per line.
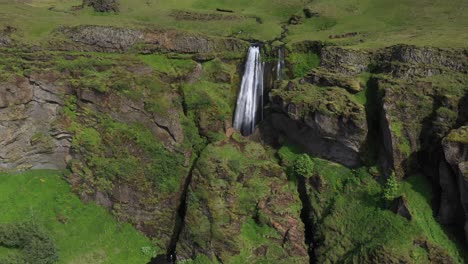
x=306, y=212
x=171, y=253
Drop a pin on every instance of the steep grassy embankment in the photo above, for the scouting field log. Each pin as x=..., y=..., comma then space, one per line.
x=81, y=233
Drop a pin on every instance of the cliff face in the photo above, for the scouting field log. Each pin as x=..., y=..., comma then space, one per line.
x=112, y=39
x=327, y=123
x=29, y=112
x=454, y=179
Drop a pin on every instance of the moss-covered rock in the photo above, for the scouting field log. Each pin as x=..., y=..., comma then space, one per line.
x=113, y=39
x=325, y=121
x=241, y=208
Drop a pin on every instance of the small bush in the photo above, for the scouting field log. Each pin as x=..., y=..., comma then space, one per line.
x=35, y=245
x=392, y=188
x=304, y=166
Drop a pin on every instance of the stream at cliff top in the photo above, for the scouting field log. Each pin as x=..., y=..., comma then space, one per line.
x=249, y=109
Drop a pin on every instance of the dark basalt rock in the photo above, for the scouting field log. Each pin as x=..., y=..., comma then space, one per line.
x=400, y=207
x=113, y=39
x=455, y=147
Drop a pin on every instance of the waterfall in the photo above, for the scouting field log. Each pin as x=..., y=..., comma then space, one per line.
x=249, y=109
x=280, y=65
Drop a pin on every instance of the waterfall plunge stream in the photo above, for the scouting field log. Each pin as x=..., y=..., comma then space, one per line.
x=249, y=109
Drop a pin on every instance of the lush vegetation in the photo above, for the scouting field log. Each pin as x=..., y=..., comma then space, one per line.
x=302, y=63
x=346, y=202
x=303, y=166
x=243, y=171
x=392, y=188
x=42, y=219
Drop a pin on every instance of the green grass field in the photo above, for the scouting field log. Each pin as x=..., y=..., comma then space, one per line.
x=85, y=234
x=379, y=22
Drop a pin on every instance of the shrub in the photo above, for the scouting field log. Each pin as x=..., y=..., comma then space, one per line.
x=392, y=188
x=304, y=166
x=35, y=245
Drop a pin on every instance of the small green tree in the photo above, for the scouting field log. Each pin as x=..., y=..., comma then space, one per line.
x=304, y=166
x=391, y=188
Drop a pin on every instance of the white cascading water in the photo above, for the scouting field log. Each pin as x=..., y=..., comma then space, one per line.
x=280, y=65
x=249, y=109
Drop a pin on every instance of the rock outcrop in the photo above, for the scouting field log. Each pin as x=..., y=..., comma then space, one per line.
x=113, y=39
x=241, y=208
x=29, y=111
x=324, y=122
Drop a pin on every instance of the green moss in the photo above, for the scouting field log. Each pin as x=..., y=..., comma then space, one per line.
x=241, y=170
x=302, y=63
x=309, y=98
x=349, y=200
x=459, y=135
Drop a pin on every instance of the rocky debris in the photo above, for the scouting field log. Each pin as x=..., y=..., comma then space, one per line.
x=103, y=5
x=113, y=39
x=455, y=147
x=330, y=125
x=400, y=206
x=29, y=138
x=234, y=201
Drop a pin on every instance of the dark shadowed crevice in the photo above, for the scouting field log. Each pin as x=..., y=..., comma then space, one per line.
x=171, y=253
x=306, y=212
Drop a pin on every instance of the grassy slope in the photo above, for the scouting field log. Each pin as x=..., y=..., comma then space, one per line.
x=380, y=22
x=385, y=22
x=352, y=199
x=90, y=234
